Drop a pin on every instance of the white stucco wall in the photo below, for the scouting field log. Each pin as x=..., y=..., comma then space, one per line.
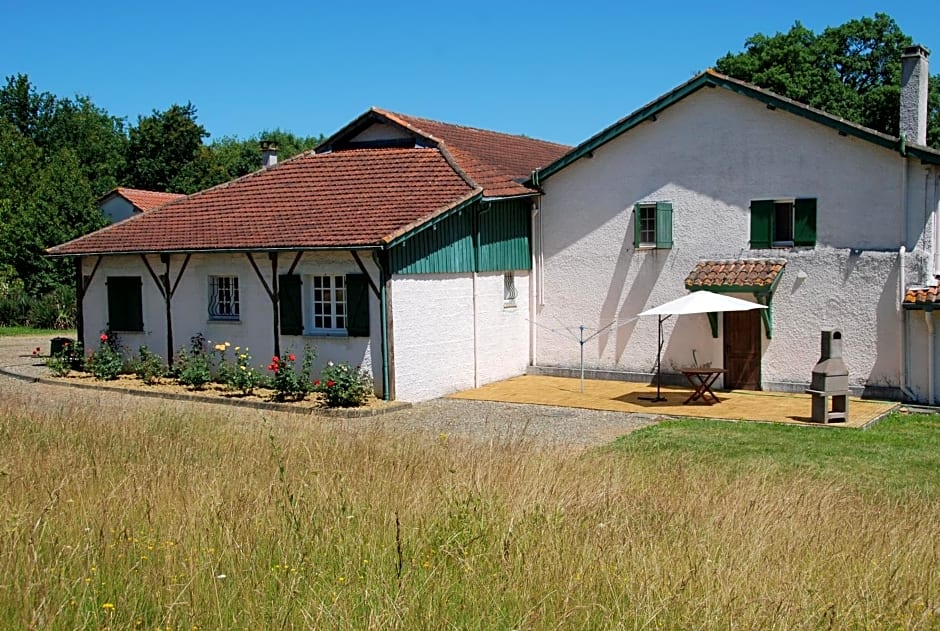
x=254, y=329
x=710, y=155
x=440, y=347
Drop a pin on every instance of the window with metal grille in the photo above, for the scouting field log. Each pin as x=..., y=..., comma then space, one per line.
x=329, y=303
x=223, y=298
x=509, y=290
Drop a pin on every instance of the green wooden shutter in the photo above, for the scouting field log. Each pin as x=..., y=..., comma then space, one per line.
x=357, y=303
x=762, y=223
x=663, y=224
x=125, y=303
x=289, y=302
x=636, y=225
x=804, y=222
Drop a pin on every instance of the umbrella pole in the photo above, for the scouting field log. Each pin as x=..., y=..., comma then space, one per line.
x=659, y=359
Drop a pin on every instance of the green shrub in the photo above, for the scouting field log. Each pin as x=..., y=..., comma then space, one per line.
x=288, y=383
x=192, y=368
x=149, y=366
x=238, y=374
x=342, y=386
x=106, y=363
x=14, y=306
x=58, y=365
x=54, y=310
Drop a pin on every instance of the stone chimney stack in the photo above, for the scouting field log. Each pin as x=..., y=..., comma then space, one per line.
x=269, y=153
x=914, y=75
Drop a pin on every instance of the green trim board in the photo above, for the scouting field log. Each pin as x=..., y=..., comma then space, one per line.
x=712, y=79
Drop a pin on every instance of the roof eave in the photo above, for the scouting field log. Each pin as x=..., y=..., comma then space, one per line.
x=242, y=250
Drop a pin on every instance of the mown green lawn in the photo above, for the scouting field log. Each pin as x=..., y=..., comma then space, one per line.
x=10, y=331
x=901, y=453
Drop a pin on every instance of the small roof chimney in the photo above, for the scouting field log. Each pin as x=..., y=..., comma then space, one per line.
x=269, y=153
x=914, y=75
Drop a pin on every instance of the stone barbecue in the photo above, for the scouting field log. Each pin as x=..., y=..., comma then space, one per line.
x=830, y=380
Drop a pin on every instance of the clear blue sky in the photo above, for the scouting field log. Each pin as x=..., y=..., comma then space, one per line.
x=554, y=70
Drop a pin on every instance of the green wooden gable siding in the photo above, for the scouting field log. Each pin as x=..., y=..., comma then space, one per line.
x=486, y=236
x=447, y=246
x=504, y=236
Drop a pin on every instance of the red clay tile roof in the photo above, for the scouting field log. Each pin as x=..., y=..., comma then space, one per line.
x=745, y=273
x=347, y=198
x=144, y=200
x=496, y=161
x=921, y=296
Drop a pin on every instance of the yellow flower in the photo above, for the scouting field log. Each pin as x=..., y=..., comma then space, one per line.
x=107, y=606
x=243, y=368
x=227, y=344
x=219, y=347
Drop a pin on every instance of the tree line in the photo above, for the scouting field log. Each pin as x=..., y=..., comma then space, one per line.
x=58, y=155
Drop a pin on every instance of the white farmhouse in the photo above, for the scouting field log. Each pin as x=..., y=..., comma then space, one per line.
x=723, y=186
x=445, y=257
x=400, y=244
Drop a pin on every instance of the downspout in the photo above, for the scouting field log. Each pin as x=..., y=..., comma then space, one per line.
x=383, y=322
x=476, y=350
x=928, y=318
x=903, y=378
x=533, y=292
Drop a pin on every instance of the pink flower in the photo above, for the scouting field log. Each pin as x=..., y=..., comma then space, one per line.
x=104, y=337
x=275, y=359
x=291, y=357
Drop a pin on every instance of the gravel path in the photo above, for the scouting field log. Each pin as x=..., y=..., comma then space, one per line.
x=476, y=420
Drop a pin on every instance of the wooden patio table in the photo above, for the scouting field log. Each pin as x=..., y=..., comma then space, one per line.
x=702, y=379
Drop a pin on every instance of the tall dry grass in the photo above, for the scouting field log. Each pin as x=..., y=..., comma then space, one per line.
x=166, y=520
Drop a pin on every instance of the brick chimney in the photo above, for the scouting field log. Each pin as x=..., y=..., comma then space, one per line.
x=269, y=153
x=914, y=74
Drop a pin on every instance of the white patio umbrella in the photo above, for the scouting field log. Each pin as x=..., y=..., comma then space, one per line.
x=695, y=302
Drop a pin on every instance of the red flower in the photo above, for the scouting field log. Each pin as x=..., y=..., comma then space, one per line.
x=275, y=359
x=104, y=337
x=316, y=382
x=291, y=357
x=330, y=383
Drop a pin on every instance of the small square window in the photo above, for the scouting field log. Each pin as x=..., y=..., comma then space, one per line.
x=224, y=298
x=652, y=225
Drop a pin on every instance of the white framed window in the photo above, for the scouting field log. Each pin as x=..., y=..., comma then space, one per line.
x=327, y=304
x=652, y=225
x=224, y=298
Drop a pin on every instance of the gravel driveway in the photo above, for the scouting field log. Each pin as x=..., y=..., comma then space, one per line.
x=477, y=420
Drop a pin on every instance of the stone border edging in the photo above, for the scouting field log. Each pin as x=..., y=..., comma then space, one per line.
x=394, y=406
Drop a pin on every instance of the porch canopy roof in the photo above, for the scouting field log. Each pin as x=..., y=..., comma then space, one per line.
x=702, y=302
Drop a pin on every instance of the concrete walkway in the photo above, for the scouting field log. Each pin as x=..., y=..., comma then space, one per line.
x=628, y=397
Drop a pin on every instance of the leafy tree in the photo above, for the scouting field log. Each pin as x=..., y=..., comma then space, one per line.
x=161, y=146
x=228, y=157
x=852, y=70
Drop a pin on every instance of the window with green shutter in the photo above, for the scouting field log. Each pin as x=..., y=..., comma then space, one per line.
x=357, y=296
x=652, y=225
x=783, y=223
x=125, y=303
x=289, y=303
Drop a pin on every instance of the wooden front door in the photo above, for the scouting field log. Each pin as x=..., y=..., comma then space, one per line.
x=742, y=349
